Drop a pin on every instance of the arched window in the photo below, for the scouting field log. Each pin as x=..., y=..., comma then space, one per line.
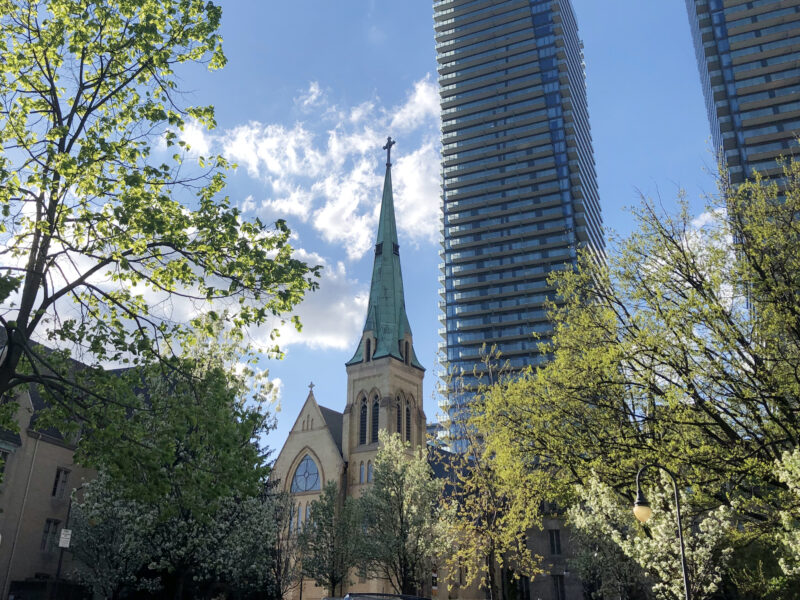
x=375, y=413
x=368, y=356
x=291, y=519
x=369, y=471
x=405, y=354
x=362, y=425
x=308, y=511
x=361, y=473
x=306, y=477
x=399, y=418
x=408, y=422
x=299, y=518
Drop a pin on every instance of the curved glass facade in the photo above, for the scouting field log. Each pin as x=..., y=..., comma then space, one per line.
x=519, y=189
x=747, y=55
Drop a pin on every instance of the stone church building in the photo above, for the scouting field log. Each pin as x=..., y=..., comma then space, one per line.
x=384, y=392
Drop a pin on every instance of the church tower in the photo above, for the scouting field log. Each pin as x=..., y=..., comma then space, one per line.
x=384, y=377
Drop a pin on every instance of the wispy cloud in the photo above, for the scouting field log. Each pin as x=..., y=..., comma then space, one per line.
x=332, y=317
x=310, y=97
x=330, y=179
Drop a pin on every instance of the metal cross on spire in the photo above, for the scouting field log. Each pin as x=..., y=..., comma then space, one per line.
x=311, y=387
x=388, y=147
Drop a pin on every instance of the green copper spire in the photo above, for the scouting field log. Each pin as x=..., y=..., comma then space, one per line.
x=387, y=321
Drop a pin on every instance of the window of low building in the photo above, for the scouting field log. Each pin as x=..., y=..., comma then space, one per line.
x=555, y=541
x=60, y=483
x=49, y=535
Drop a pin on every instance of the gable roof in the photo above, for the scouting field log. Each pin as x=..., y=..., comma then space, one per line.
x=333, y=420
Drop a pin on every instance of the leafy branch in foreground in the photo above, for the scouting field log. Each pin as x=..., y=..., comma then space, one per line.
x=108, y=238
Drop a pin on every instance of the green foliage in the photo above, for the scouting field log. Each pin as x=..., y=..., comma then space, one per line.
x=193, y=436
x=330, y=540
x=484, y=522
x=401, y=535
x=180, y=500
x=103, y=230
x=682, y=349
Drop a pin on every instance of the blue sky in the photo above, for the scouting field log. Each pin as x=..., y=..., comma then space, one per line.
x=311, y=91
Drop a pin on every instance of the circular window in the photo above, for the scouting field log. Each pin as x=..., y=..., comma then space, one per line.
x=306, y=477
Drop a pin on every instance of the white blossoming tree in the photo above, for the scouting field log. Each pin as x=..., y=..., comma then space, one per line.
x=789, y=471
x=123, y=544
x=656, y=548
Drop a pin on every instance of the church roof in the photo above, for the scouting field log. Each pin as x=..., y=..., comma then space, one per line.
x=386, y=311
x=333, y=420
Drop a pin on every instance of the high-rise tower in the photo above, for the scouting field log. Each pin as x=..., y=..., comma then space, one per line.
x=748, y=54
x=519, y=192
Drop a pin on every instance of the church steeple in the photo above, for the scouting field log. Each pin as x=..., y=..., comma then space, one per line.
x=386, y=330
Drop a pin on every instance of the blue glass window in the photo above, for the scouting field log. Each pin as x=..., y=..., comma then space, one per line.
x=306, y=477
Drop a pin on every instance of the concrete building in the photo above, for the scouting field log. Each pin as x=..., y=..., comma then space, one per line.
x=39, y=476
x=519, y=189
x=748, y=55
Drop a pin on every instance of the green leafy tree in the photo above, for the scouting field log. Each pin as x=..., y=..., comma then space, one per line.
x=789, y=471
x=484, y=522
x=330, y=539
x=193, y=492
x=284, y=553
x=682, y=349
x=101, y=229
x=401, y=534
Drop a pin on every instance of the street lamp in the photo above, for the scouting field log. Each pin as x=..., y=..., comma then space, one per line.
x=642, y=511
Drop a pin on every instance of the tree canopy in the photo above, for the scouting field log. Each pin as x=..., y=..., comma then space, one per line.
x=683, y=350
x=181, y=502
x=330, y=540
x=401, y=533
x=108, y=220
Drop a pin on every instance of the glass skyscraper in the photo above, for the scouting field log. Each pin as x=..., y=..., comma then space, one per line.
x=748, y=54
x=519, y=189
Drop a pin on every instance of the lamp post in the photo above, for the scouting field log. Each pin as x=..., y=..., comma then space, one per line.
x=642, y=511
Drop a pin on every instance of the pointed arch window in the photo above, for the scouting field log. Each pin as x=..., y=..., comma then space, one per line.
x=362, y=424
x=369, y=350
x=406, y=353
x=369, y=471
x=306, y=477
x=408, y=422
x=361, y=473
x=375, y=415
x=399, y=418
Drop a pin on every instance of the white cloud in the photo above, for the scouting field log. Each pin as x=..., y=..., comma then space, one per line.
x=311, y=97
x=333, y=179
x=332, y=316
x=248, y=204
x=422, y=106
x=417, y=187
x=197, y=138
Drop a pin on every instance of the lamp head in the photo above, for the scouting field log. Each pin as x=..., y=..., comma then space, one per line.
x=641, y=508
